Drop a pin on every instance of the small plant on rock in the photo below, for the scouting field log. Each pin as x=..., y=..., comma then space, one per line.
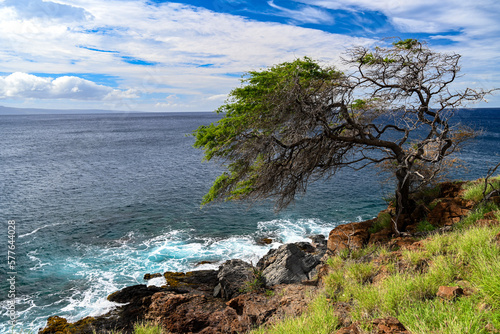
x=258, y=284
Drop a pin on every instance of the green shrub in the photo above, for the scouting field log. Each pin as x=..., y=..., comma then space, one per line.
x=257, y=284
x=428, y=194
x=425, y=226
x=383, y=221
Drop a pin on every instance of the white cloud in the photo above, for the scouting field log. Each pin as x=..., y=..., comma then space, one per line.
x=219, y=97
x=473, y=28
x=47, y=9
x=306, y=14
x=26, y=86
x=197, y=53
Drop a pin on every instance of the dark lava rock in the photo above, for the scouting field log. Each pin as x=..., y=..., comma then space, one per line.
x=289, y=264
x=233, y=276
x=203, y=281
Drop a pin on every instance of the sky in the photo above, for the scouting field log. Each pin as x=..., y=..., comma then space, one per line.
x=157, y=56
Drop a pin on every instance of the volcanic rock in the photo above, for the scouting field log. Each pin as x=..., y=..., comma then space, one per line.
x=289, y=264
x=233, y=277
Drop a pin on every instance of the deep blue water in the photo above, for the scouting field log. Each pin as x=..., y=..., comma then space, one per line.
x=100, y=200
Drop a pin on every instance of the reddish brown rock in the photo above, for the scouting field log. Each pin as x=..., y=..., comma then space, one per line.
x=416, y=245
x=380, y=237
x=449, y=292
x=265, y=241
x=199, y=281
x=349, y=236
x=447, y=212
x=497, y=239
x=491, y=215
x=451, y=189
x=190, y=313
x=185, y=313
x=352, y=329
x=389, y=325
x=402, y=242
x=343, y=313
x=55, y=324
x=487, y=222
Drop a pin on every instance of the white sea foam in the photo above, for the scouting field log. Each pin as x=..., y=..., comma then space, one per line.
x=288, y=231
x=102, y=270
x=38, y=229
x=157, y=281
x=38, y=262
x=91, y=301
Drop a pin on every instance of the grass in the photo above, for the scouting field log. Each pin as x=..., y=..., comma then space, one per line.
x=318, y=318
x=147, y=328
x=474, y=190
x=478, y=213
x=404, y=283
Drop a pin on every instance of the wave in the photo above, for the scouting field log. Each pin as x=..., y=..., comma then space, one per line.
x=102, y=269
x=38, y=229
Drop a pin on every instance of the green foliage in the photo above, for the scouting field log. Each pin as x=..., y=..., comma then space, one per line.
x=371, y=59
x=474, y=190
x=258, y=283
x=407, y=44
x=361, y=273
x=425, y=226
x=255, y=113
x=269, y=293
x=298, y=122
x=383, y=221
x=438, y=316
x=470, y=256
x=477, y=213
x=147, y=328
x=359, y=104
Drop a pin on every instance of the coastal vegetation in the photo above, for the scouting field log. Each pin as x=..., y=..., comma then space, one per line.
x=382, y=282
x=298, y=122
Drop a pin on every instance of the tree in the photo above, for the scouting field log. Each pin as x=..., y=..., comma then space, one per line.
x=298, y=122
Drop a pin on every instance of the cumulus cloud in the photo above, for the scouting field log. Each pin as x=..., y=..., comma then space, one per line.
x=27, y=86
x=47, y=9
x=173, y=48
x=176, y=38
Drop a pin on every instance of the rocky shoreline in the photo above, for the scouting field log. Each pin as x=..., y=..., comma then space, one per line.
x=233, y=299
x=239, y=296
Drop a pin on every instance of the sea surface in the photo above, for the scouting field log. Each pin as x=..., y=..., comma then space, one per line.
x=99, y=200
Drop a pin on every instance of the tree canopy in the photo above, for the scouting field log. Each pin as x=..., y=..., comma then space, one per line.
x=298, y=122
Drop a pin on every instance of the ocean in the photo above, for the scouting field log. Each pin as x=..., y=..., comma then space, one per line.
x=99, y=200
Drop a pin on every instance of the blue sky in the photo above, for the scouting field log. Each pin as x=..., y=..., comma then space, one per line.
x=155, y=55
